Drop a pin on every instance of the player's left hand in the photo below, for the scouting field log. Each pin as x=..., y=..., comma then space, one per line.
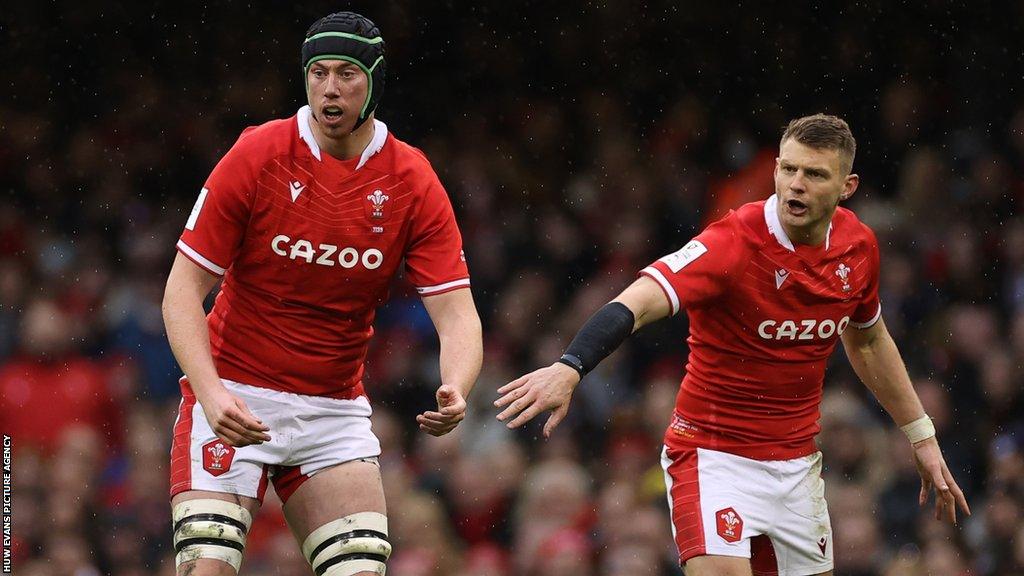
x=935, y=476
x=451, y=408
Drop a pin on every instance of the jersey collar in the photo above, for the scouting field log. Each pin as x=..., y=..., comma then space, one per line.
x=380, y=136
x=771, y=218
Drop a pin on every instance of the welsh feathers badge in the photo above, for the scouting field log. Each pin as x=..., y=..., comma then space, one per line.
x=217, y=457
x=376, y=205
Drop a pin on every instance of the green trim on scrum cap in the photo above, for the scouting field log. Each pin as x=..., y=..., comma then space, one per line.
x=369, y=93
x=355, y=37
x=367, y=71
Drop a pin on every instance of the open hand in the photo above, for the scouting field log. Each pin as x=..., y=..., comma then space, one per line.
x=549, y=388
x=935, y=476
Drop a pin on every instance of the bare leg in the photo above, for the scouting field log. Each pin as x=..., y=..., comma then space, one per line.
x=332, y=494
x=717, y=566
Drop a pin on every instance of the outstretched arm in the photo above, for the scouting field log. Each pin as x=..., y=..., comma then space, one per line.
x=551, y=388
x=877, y=361
x=458, y=328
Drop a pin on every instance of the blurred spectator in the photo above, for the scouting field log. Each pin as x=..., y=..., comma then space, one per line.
x=554, y=517
x=423, y=541
x=50, y=387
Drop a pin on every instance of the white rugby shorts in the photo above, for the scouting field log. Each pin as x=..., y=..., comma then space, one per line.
x=773, y=512
x=308, y=434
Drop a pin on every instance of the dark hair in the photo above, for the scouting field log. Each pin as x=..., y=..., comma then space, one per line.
x=824, y=131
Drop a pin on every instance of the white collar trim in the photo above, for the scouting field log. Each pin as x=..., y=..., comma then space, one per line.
x=771, y=218
x=380, y=136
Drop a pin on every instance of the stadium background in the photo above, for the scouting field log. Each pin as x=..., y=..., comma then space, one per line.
x=578, y=143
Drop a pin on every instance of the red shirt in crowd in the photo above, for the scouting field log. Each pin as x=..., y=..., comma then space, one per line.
x=40, y=400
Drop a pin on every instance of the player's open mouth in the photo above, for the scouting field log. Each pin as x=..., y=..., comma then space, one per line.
x=796, y=207
x=332, y=114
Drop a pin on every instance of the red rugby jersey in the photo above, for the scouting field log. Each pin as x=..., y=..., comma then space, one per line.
x=308, y=245
x=765, y=315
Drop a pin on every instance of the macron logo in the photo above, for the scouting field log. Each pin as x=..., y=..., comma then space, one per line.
x=780, y=277
x=296, y=188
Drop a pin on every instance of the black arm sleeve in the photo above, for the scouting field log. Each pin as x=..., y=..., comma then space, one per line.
x=605, y=331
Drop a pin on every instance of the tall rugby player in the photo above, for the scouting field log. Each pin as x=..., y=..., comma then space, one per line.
x=307, y=220
x=770, y=289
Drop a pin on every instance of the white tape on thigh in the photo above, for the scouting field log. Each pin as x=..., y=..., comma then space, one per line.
x=209, y=552
x=350, y=567
x=208, y=528
x=355, y=543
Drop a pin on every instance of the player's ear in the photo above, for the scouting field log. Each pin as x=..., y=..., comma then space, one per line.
x=849, y=186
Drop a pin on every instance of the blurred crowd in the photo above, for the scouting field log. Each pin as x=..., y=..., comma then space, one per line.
x=578, y=142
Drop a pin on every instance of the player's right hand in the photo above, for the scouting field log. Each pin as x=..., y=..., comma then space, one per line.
x=451, y=409
x=549, y=388
x=231, y=419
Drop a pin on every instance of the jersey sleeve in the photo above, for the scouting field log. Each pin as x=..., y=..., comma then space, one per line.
x=434, y=260
x=700, y=271
x=214, y=231
x=870, y=308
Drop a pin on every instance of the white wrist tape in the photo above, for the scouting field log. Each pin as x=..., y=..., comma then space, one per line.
x=920, y=429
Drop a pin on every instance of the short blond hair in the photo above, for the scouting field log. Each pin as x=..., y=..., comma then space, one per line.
x=824, y=131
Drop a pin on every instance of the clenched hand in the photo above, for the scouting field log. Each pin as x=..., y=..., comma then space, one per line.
x=451, y=409
x=232, y=421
